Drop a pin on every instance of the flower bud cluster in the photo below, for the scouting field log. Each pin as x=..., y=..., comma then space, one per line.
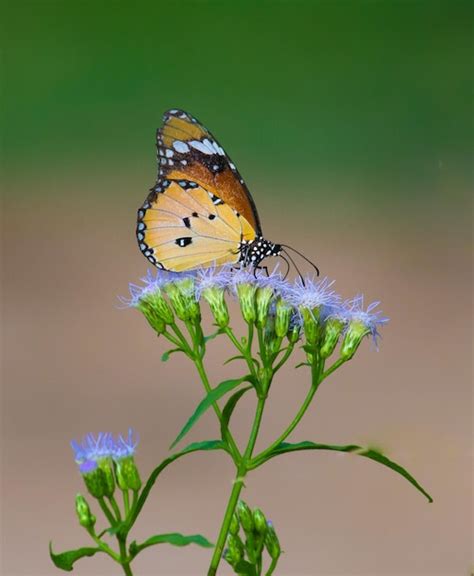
x=257, y=535
x=106, y=461
x=309, y=308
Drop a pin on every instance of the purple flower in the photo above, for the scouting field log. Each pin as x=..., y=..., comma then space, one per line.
x=125, y=447
x=213, y=277
x=152, y=281
x=314, y=294
x=92, y=447
x=353, y=311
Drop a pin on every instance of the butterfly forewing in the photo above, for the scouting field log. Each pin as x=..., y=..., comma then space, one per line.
x=200, y=212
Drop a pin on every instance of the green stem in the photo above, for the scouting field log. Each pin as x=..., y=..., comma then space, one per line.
x=105, y=548
x=115, y=507
x=126, y=503
x=284, y=358
x=107, y=512
x=124, y=560
x=317, y=377
x=246, y=351
x=237, y=488
x=272, y=566
x=205, y=380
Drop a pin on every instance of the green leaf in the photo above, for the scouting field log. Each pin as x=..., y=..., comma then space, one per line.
x=194, y=447
x=213, y=396
x=238, y=357
x=166, y=355
x=370, y=453
x=214, y=335
x=174, y=538
x=65, y=560
x=229, y=408
x=244, y=568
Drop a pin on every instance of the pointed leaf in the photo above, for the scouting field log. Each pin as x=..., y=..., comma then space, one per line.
x=229, y=408
x=173, y=538
x=238, y=357
x=213, y=396
x=166, y=355
x=350, y=448
x=65, y=560
x=194, y=447
x=213, y=335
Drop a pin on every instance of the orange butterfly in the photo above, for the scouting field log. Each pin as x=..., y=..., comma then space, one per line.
x=199, y=213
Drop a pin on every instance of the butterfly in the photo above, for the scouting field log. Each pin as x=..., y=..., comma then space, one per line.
x=200, y=213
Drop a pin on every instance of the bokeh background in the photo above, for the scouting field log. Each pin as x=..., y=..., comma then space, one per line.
x=351, y=123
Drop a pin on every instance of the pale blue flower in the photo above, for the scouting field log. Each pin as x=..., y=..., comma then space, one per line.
x=353, y=310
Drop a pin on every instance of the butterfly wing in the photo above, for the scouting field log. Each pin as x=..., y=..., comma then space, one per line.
x=200, y=211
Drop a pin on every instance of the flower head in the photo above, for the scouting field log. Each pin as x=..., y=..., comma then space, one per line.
x=210, y=278
x=353, y=311
x=93, y=448
x=314, y=294
x=125, y=447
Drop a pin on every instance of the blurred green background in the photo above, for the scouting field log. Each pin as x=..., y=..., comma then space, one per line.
x=351, y=124
x=292, y=89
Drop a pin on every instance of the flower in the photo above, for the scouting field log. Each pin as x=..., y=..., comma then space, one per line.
x=314, y=294
x=125, y=447
x=353, y=311
x=93, y=448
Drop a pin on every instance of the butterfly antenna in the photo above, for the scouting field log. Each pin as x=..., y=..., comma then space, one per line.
x=287, y=267
x=294, y=264
x=302, y=256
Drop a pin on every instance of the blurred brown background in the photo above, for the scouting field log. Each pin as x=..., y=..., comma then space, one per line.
x=350, y=123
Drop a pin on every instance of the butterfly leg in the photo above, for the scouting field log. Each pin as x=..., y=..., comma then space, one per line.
x=265, y=268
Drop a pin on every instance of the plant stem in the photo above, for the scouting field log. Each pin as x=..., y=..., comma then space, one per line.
x=115, y=507
x=245, y=351
x=124, y=561
x=237, y=488
x=221, y=540
x=272, y=566
x=317, y=378
x=126, y=503
x=205, y=380
x=108, y=514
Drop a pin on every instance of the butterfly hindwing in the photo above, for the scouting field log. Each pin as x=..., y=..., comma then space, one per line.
x=200, y=211
x=181, y=227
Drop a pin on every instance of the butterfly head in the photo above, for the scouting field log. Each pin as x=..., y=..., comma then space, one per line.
x=252, y=253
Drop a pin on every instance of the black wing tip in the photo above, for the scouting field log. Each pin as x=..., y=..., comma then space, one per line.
x=178, y=113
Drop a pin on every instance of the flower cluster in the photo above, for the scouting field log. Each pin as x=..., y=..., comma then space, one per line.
x=105, y=460
x=280, y=308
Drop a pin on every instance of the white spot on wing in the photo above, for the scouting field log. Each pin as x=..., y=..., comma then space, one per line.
x=201, y=146
x=169, y=153
x=181, y=147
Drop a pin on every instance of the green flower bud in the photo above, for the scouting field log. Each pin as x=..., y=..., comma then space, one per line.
x=311, y=325
x=352, y=338
x=332, y=330
x=183, y=300
x=235, y=550
x=128, y=477
x=294, y=334
x=94, y=479
x=260, y=522
x=216, y=300
x=156, y=310
x=262, y=300
x=86, y=518
x=105, y=464
x=234, y=525
x=245, y=516
x=246, y=294
x=272, y=543
x=282, y=319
